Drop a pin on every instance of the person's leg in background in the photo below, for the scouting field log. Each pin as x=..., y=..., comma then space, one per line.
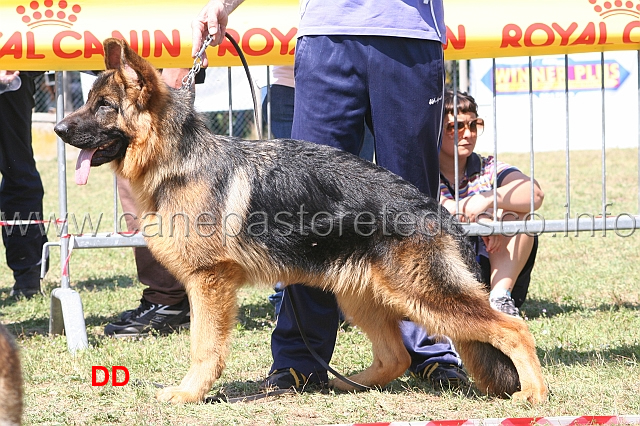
x=319, y=117
x=164, y=306
x=21, y=191
x=282, y=99
x=333, y=112
x=521, y=286
x=407, y=122
x=282, y=105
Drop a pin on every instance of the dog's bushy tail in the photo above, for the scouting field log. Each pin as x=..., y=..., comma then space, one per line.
x=493, y=372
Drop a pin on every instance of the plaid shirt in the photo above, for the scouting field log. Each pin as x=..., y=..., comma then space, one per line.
x=478, y=177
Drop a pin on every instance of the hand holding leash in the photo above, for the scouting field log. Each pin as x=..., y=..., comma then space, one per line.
x=211, y=21
x=188, y=79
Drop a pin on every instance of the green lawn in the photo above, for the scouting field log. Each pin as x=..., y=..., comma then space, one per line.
x=583, y=309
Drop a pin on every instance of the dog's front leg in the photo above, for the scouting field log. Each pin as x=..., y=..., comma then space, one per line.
x=213, y=313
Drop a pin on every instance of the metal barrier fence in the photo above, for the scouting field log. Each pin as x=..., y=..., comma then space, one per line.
x=66, y=307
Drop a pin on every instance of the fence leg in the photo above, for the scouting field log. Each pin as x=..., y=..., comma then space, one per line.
x=67, y=316
x=66, y=307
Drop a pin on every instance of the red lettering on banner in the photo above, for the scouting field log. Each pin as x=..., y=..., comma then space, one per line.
x=133, y=38
x=603, y=33
x=246, y=46
x=57, y=50
x=457, y=42
x=226, y=45
x=284, y=40
x=31, y=47
x=528, y=35
x=626, y=34
x=13, y=46
x=565, y=34
x=588, y=36
x=92, y=45
x=511, y=35
x=146, y=44
x=160, y=40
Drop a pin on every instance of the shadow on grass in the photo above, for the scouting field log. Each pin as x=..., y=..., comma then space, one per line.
x=240, y=389
x=256, y=316
x=108, y=283
x=30, y=327
x=535, y=308
x=39, y=307
x=571, y=357
x=40, y=325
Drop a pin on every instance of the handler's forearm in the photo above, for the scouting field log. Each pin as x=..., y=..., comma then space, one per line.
x=231, y=5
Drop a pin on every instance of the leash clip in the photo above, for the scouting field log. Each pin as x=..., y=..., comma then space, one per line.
x=188, y=79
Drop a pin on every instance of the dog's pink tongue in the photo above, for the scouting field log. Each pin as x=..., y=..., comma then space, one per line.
x=83, y=166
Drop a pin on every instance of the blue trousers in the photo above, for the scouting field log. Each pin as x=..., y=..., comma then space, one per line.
x=395, y=87
x=21, y=191
x=282, y=99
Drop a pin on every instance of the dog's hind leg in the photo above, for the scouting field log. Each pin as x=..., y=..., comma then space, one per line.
x=213, y=313
x=433, y=285
x=381, y=325
x=497, y=349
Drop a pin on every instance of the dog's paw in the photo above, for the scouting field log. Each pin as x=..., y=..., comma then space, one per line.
x=176, y=395
x=531, y=396
x=340, y=385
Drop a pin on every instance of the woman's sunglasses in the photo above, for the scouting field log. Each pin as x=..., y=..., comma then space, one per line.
x=475, y=126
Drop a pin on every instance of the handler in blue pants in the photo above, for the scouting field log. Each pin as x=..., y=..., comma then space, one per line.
x=21, y=191
x=334, y=95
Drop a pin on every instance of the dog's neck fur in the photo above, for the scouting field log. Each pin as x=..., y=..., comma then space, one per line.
x=174, y=109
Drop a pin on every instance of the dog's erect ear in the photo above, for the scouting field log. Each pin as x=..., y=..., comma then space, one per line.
x=113, y=53
x=119, y=56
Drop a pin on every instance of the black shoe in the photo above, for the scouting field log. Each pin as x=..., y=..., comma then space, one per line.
x=286, y=378
x=151, y=317
x=27, y=282
x=443, y=376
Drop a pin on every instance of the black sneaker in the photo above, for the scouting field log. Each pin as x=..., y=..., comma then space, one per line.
x=286, y=379
x=27, y=282
x=151, y=317
x=443, y=376
x=505, y=304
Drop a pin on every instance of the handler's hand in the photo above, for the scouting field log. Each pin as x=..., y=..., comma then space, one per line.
x=212, y=19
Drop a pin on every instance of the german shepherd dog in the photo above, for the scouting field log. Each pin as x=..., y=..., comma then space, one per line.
x=289, y=211
x=10, y=381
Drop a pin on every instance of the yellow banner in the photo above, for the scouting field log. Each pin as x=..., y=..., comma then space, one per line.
x=67, y=34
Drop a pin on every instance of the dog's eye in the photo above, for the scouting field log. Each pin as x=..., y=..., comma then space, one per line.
x=105, y=103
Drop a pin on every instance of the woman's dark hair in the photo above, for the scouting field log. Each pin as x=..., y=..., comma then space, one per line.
x=466, y=103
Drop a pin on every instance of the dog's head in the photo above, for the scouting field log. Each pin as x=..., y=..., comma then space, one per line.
x=119, y=112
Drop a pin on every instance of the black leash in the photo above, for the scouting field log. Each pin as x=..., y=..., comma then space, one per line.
x=315, y=355
x=253, y=92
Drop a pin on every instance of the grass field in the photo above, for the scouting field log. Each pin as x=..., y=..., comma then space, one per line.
x=583, y=309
